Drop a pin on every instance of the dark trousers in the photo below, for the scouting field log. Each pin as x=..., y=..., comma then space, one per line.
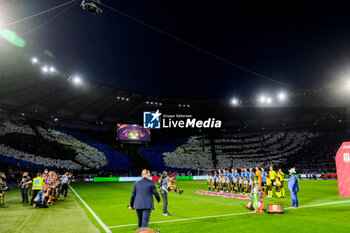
x=165, y=201
x=143, y=216
x=42, y=204
x=35, y=192
x=24, y=193
x=64, y=189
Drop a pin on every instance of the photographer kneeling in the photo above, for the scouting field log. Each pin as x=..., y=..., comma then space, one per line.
x=166, y=186
x=42, y=198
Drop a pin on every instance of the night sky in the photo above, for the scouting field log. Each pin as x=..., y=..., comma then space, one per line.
x=304, y=46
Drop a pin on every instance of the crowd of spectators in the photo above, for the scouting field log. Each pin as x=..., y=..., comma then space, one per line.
x=78, y=155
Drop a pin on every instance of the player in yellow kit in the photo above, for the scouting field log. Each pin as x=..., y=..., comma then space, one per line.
x=268, y=186
x=278, y=187
x=272, y=175
x=280, y=175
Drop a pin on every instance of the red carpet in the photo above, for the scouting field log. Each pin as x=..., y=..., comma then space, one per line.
x=227, y=195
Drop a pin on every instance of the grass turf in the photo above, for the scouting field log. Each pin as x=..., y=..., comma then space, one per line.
x=109, y=201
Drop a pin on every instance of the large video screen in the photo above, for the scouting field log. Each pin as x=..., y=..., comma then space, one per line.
x=136, y=133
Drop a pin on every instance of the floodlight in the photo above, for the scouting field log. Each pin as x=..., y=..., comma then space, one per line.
x=234, y=101
x=77, y=80
x=268, y=100
x=52, y=69
x=35, y=60
x=281, y=96
x=45, y=69
x=262, y=99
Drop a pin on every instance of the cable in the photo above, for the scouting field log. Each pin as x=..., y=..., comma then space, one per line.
x=196, y=47
x=40, y=13
x=48, y=21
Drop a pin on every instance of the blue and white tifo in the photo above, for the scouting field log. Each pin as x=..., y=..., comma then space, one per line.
x=152, y=120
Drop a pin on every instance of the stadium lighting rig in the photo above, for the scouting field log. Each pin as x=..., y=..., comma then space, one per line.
x=234, y=101
x=281, y=96
x=35, y=60
x=262, y=99
x=77, y=80
x=268, y=100
x=45, y=69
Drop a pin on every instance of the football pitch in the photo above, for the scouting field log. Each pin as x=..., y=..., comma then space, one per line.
x=322, y=210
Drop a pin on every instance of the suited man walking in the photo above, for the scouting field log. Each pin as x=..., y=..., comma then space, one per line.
x=142, y=198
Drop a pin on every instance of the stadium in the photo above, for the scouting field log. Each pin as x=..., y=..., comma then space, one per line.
x=135, y=117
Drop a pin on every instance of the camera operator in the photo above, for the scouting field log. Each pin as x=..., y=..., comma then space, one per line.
x=165, y=186
x=24, y=185
x=65, y=181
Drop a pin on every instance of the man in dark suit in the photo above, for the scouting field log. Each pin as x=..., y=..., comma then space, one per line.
x=142, y=198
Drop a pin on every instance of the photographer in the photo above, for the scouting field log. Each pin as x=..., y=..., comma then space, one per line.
x=3, y=184
x=24, y=185
x=42, y=198
x=65, y=180
x=165, y=186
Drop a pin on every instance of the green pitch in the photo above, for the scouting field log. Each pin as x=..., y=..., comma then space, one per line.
x=109, y=202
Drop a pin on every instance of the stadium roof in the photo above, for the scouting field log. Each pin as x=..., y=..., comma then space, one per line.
x=28, y=89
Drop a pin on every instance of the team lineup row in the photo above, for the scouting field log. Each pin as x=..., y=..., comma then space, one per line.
x=271, y=182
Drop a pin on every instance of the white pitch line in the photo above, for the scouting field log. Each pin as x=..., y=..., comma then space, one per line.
x=92, y=212
x=225, y=215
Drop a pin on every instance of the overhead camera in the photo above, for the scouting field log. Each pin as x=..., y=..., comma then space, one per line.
x=91, y=7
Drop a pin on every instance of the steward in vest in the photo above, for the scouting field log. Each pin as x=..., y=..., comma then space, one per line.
x=38, y=184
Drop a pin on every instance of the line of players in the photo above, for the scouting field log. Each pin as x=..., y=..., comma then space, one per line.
x=271, y=182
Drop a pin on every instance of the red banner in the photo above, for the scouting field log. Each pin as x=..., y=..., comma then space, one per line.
x=342, y=161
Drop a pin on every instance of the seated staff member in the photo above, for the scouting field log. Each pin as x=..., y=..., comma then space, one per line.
x=272, y=175
x=280, y=175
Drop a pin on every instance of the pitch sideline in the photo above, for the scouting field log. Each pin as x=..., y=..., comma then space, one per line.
x=225, y=215
x=92, y=212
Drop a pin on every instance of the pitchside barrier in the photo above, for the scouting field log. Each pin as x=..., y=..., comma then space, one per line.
x=156, y=178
